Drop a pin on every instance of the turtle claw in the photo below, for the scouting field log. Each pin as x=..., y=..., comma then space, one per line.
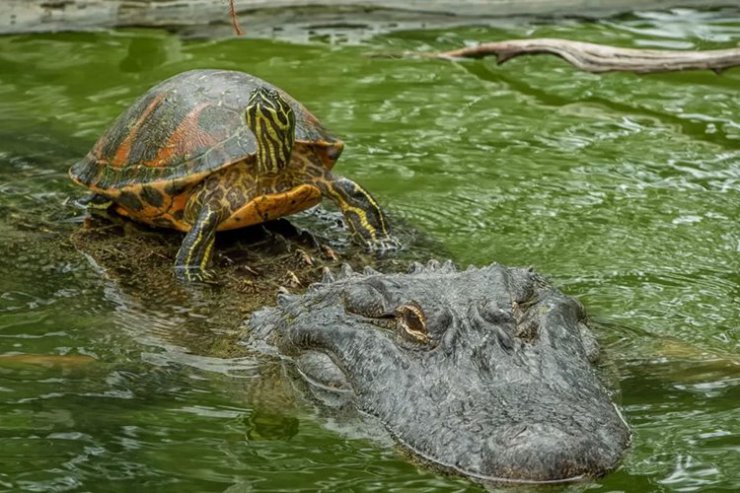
x=195, y=275
x=383, y=245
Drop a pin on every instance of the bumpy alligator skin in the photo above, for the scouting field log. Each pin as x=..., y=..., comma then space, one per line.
x=487, y=372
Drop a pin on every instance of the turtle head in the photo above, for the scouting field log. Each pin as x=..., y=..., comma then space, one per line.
x=272, y=121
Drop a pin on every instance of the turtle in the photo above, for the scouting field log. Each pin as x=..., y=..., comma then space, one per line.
x=213, y=150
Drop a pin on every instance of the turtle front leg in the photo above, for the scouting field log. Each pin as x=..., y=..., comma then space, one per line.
x=195, y=251
x=367, y=221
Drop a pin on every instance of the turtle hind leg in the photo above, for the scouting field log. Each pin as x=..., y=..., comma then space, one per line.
x=196, y=249
x=364, y=216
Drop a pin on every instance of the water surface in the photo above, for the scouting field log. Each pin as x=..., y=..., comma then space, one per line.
x=624, y=189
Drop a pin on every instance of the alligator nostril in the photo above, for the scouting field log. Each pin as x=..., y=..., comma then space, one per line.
x=489, y=318
x=493, y=313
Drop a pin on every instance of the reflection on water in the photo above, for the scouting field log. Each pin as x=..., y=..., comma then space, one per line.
x=624, y=189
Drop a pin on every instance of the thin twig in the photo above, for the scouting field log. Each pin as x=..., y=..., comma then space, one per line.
x=234, y=18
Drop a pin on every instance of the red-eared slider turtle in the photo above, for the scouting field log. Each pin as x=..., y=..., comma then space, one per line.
x=211, y=150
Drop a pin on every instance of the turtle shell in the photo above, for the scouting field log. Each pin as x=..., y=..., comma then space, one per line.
x=184, y=129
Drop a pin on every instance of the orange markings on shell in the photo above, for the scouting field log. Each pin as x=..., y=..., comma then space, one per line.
x=153, y=216
x=188, y=137
x=121, y=157
x=261, y=209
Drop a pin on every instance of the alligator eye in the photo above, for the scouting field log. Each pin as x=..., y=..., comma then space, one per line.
x=365, y=300
x=412, y=322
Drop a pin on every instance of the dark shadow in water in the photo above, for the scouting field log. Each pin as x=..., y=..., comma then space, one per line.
x=694, y=129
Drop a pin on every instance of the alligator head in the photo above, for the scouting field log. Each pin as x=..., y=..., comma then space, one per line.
x=488, y=372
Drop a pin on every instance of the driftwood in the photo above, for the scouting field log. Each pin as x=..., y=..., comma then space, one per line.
x=597, y=58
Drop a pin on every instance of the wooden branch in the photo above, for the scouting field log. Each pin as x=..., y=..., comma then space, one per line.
x=601, y=58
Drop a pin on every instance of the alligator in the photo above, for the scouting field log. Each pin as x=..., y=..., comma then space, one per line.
x=488, y=373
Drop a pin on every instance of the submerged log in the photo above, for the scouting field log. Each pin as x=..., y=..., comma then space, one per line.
x=597, y=58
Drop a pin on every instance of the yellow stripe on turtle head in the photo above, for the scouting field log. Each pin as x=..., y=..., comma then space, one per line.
x=272, y=121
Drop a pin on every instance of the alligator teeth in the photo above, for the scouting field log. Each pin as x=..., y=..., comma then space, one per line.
x=369, y=271
x=432, y=266
x=326, y=276
x=285, y=299
x=346, y=271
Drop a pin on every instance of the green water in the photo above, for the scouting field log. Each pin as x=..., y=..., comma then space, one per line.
x=624, y=189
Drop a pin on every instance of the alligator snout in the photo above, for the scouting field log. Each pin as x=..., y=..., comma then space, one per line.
x=545, y=452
